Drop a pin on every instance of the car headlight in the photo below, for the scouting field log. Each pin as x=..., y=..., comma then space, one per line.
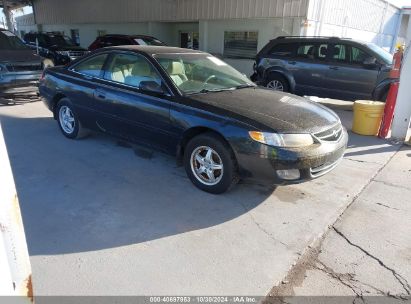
x=282, y=139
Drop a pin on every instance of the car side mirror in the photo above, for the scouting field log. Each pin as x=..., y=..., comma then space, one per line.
x=151, y=86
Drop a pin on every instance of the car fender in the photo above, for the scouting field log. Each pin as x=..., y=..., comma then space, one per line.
x=283, y=72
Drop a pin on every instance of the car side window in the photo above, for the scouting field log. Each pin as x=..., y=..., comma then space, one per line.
x=306, y=51
x=119, y=41
x=283, y=50
x=322, y=52
x=359, y=56
x=131, y=70
x=339, y=53
x=93, y=66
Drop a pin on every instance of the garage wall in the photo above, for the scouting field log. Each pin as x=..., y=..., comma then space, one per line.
x=212, y=35
x=25, y=24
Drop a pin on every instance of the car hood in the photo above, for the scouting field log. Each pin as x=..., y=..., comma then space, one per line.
x=269, y=110
x=18, y=56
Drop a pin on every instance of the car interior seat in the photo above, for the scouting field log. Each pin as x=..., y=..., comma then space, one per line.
x=140, y=71
x=177, y=73
x=310, y=53
x=336, y=52
x=117, y=75
x=323, y=52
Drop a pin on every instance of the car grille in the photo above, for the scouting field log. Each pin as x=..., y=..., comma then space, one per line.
x=24, y=67
x=323, y=169
x=332, y=134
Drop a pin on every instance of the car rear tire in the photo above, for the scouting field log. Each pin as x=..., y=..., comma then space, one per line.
x=68, y=120
x=210, y=163
x=277, y=82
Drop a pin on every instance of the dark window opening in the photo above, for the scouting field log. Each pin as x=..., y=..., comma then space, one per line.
x=240, y=45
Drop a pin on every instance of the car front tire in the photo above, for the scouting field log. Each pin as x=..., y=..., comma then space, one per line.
x=210, y=163
x=277, y=82
x=68, y=120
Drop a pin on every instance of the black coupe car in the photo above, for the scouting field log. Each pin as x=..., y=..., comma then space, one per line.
x=191, y=104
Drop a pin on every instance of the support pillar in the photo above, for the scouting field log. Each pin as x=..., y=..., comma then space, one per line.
x=402, y=113
x=7, y=14
x=203, y=33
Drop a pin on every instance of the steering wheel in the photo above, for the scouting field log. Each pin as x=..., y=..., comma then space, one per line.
x=208, y=79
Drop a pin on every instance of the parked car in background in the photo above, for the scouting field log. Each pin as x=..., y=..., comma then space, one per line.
x=219, y=124
x=115, y=40
x=19, y=67
x=59, y=49
x=325, y=67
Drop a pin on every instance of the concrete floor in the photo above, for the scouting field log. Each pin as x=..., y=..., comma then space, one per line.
x=104, y=219
x=368, y=250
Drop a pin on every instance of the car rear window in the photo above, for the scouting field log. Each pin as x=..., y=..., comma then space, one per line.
x=9, y=41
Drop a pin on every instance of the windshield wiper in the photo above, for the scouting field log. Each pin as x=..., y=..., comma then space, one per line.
x=212, y=91
x=243, y=86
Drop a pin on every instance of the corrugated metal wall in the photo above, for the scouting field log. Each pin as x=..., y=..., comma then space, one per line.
x=121, y=11
x=369, y=20
x=367, y=15
x=25, y=20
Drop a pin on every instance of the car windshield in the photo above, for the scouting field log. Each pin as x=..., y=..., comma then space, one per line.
x=149, y=41
x=58, y=40
x=387, y=57
x=9, y=41
x=200, y=73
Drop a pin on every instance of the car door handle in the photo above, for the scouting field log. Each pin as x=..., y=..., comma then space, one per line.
x=88, y=77
x=99, y=94
x=334, y=68
x=292, y=62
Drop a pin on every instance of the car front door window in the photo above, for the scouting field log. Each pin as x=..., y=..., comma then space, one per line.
x=340, y=53
x=131, y=70
x=91, y=67
x=306, y=51
x=359, y=56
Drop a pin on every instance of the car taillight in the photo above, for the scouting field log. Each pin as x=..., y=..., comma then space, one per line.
x=94, y=45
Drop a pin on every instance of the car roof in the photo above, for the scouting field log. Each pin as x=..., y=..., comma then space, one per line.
x=125, y=36
x=45, y=33
x=314, y=38
x=152, y=50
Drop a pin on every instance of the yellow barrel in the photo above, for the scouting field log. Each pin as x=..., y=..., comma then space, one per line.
x=367, y=117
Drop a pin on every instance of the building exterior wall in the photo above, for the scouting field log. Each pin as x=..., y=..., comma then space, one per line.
x=368, y=20
x=125, y=11
x=267, y=29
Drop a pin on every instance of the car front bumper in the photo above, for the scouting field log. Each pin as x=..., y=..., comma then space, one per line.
x=263, y=166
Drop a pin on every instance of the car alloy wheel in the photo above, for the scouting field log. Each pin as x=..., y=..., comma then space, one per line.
x=207, y=166
x=275, y=85
x=67, y=120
